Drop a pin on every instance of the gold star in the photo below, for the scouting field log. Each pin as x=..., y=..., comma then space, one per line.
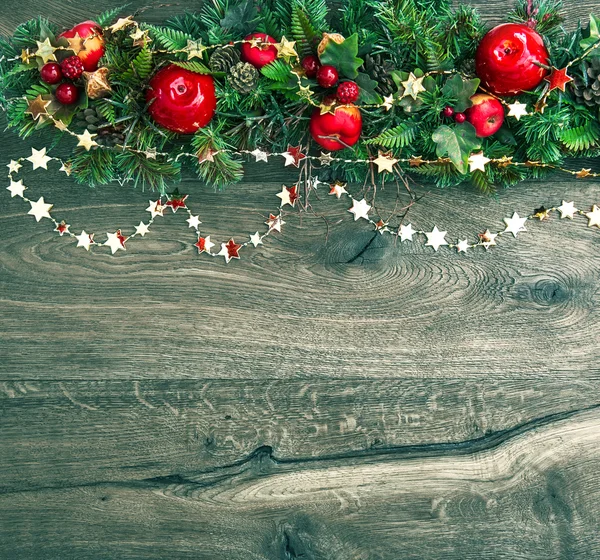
x=194, y=49
x=413, y=86
x=593, y=217
x=140, y=37
x=416, y=161
x=583, y=173
x=325, y=158
x=255, y=42
x=207, y=155
x=328, y=105
x=388, y=102
x=504, y=161
x=541, y=105
x=385, y=162
x=304, y=92
x=37, y=107
x=67, y=168
x=541, y=213
x=122, y=23
x=286, y=49
x=45, y=50
x=26, y=56
x=86, y=140
x=60, y=125
x=76, y=44
x=478, y=162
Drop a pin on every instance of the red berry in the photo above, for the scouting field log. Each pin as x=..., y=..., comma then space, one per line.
x=311, y=65
x=72, y=67
x=448, y=111
x=460, y=118
x=51, y=73
x=327, y=76
x=348, y=92
x=67, y=94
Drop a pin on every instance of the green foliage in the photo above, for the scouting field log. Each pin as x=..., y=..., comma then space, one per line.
x=593, y=36
x=278, y=71
x=545, y=17
x=582, y=137
x=107, y=17
x=343, y=56
x=96, y=167
x=457, y=142
x=460, y=91
x=145, y=172
x=194, y=66
x=168, y=38
x=398, y=137
x=140, y=68
x=303, y=31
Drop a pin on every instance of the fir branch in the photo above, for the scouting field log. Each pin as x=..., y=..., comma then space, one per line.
x=193, y=66
x=107, y=17
x=398, y=137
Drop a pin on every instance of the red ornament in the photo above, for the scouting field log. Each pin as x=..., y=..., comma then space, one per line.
x=231, y=250
x=558, y=79
x=293, y=155
x=262, y=54
x=67, y=94
x=180, y=100
x=486, y=114
x=509, y=59
x=72, y=67
x=327, y=76
x=176, y=201
x=335, y=131
x=448, y=111
x=348, y=92
x=460, y=118
x=51, y=73
x=93, y=45
x=311, y=65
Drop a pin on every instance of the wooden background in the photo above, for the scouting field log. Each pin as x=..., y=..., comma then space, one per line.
x=333, y=397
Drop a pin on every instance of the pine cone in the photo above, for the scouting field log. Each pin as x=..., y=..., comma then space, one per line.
x=586, y=87
x=243, y=77
x=90, y=119
x=223, y=58
x=379, y=70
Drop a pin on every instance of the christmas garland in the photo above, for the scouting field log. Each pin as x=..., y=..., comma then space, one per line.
x=371, y=91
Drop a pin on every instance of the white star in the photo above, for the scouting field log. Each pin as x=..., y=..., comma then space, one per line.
x=85, y=240
x=406, y=232
x=388, y=102
x=86, y=140
x=435, y=238
x=142, y=229
x=517, y=110
x=385, y=162
x=338, y=189
x=16, y=188
x=194, y=221
x=40, y=209
x=593, y=217
x=156, y=208
x=567, y=209
x=115, y=241
x=275, y=223
x=256, y=239
x=477, y=162
x=488, y=239
x=360, y=209
x=462, y=246
x=259, y=155
x=284, y=195
x=515, y=224
x=14, y=166
x=39, y=158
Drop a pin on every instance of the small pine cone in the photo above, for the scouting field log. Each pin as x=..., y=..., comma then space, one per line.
x=223, y=59
x=88, y=119
x=110, y=137
x=72, y=67
x=586, y=87
x=243, y=77
x=379, y=70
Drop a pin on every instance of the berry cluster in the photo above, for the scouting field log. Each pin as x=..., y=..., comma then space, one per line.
x=71, y=68
x=327, y=77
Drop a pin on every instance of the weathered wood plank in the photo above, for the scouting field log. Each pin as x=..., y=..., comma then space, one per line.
x=531, y=495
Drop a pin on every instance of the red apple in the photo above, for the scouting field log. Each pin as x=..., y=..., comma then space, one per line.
x=338, y=130
x=180, y=100
x=508, y=59
x=486, y=114
x=93, y=49
x=262, y=54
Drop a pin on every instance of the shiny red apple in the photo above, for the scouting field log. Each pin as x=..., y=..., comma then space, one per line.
x=508, y=59
x=93, y=49
x=335, y=131
x=180, y=100
x=486, y=114
x=261, y=55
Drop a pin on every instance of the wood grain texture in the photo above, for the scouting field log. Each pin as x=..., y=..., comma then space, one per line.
x=330, y=396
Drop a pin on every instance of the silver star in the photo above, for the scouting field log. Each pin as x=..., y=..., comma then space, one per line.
x=256, y=239
x=593, y=217
x=40, y=209
x=85, y=240
x=194, y=49
x=360, y=209
x=325, y=158
x=194, y=221
x=39, y=158
x=259, y=155
x=488, y=239
x=406, y=232
x=45, y=50
x=515, y=224
x=142, y=229
x=567, y=209
x=16, y=188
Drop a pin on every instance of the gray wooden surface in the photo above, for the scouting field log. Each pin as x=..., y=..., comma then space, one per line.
x=334, y=397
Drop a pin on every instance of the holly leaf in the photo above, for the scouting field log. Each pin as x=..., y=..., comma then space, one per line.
x=461, y=90
x=457, y=143
x=594, y=36
x=367, y=89
x=343, y=56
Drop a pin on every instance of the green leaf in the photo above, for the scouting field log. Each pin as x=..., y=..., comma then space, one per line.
x=242, y=17
x=457, y=143
x=367, y=89
x=397, y=137
x=343, y=56
x=594, y=34
x=195, y=66
x=461, y=90
x=278, y=71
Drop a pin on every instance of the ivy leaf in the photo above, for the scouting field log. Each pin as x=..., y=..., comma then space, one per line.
x=461, y=90
x=457, y=143
x=343, y=56
x=367, y=89
x=242, y=17
x=594, y=34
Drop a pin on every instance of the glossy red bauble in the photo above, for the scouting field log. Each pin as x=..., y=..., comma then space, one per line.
x=348, y=92
x=327, y=76
x=338, y=130
x=180, y=100
x=311, y=65
x=51, y=73
x=262, y=54
x=93, y=49
x=460, y=117
x=508, y=59
x=486, y=114
x=448, y=111
x=67, y=94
